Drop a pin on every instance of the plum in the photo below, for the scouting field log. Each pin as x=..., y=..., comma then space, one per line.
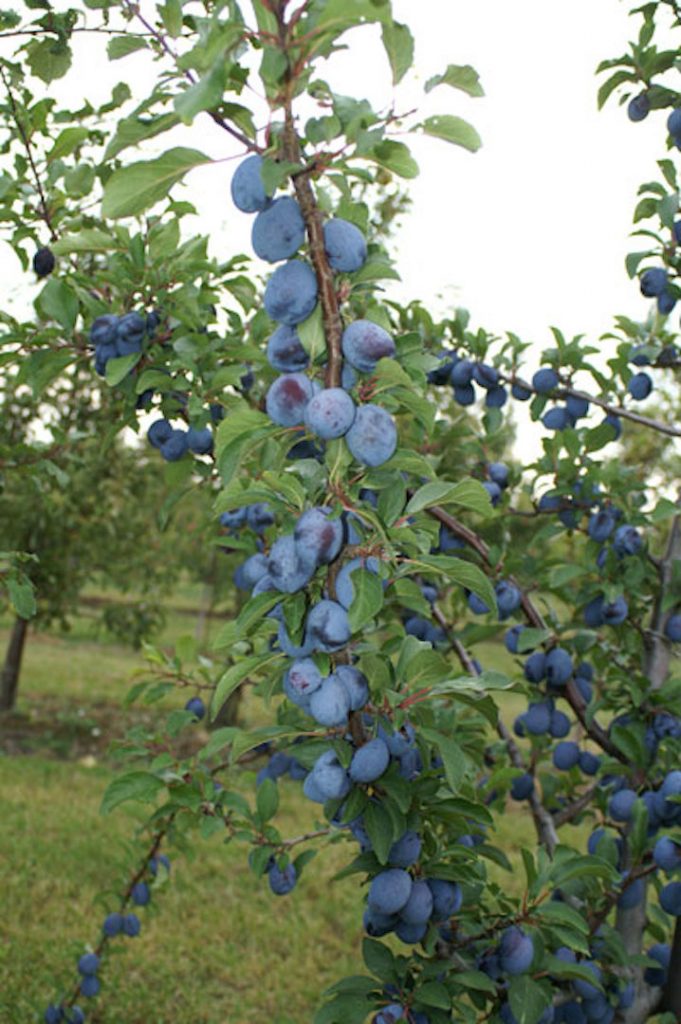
x=175, y=446
x=370, y=761
x=405, y=851
x=289, y=567
x=282, y=881
x=159, y=432
x=291, y=293
x=389, y=891
x=43, y=262
x=638, y=107
x=345, y=591
x=330, y=413
x=545, y=380
x=200, y=441
x=330, y=703
x=447, y=898
x=196, y=706
x=372, y=438
x=247, y=188
x=319, y=534
x=287, y=399
x=328, y=627
x=285, y=351
x=355, y=683
x=278, y=230
x=364, y=343
x=640, y=386
x=558, y=667
x=516, y=951
x=419, y=906
x=345, y=245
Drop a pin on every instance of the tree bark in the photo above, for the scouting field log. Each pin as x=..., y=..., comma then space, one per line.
x=9, y=681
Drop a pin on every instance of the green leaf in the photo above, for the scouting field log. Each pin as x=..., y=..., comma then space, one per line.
x=434, y=993
x=528, y=999
x=396, y=157
x=135, y=129
x=22, y=596
x=133, y=189
x=379, y=826
x=242, y=420
x=455, y=761
x=379, y=959
x=339, y=13
x=458, y=571
x=66, y=142
x=142, y=786
x=118, y=369
x=121, y=46
x=468, y=493
x=267, y=799
x=459, y=76
x=88, y=240
x=367, y=598
x=203, y=95
x=48, y=59
x=58, y=302
x=236, y=674
x=452, y=129
x=399, y=46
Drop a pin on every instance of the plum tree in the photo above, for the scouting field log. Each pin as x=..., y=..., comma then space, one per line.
x=364, y=494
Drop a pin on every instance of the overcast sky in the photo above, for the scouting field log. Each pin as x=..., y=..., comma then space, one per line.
x=530, y=231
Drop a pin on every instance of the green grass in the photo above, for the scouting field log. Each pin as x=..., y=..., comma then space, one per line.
x=216, y=945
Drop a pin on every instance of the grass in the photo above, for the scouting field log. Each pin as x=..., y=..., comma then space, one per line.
x=216, y=946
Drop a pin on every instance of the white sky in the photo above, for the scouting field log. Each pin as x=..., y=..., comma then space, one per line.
x=530, y=231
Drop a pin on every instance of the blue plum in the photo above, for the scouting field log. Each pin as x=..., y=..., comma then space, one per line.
x=247, y=188
x=545, y=380
x=535, y=667
x=389, y=891
x=516, y=951
x=558, y=667
x=557, y=418
x=88, y=963
x=522, y=787
x=200, y=441
x=447, y=898
x=627, y=541
x=291, y=293
x=566, y=755
x=638, y=107
x=285, y=351
x=419, y=906
x=289, y=567
x=175, y=446
x=405, y=851
x=653, y=282
x=670, y=898
x=278, y=230
x=345, y=245
x=330, y=413
x=282, y=881
x=90, y=986
x=131, y=925
x=355, y=683
x=328, y=626
x=364, y=343
x=319, y=534
x=662, y=953
x=621, y=804
x=640, y=386
x=113, y=924
x=196, y=706
x=372, y=438
x=370, y=761
x=159, y=432
x=345, y=591
x=667, y=854
x=330, y=703
x=140, y=894
x=287, y=399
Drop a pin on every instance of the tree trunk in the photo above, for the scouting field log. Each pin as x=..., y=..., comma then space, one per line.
x=9, y=681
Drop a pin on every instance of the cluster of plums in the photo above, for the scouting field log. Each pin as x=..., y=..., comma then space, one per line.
x=114, y=924
x=174, y=442
x=294, y=399
x=113, y=336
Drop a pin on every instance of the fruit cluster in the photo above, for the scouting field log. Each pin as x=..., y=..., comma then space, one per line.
x=295, y=399
x=113, y=336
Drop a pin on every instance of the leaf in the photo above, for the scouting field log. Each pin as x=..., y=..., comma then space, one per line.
x=453, y=757
x=59, y=302
x=65, y=143
x=468, y=493
x=396, y=157
x=459, y=571
x=338, y=13
x=528, y=999
x=121, y=46
x=88, y=240
x=379, y=959
x=242, y=420
x=367, y=598
x=118, y=369
x=133, y=189
x=452, y=129
x=135, y=129
x=235, y=675
x=379, y=826
x=459, y=76
x=434, y=993
x=22, y=596
x=267, y=799
x=142, y=786
x=399, y=46
x=202, y=95
x=48, y=59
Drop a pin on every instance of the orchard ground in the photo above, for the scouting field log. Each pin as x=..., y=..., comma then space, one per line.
x=216, y=945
